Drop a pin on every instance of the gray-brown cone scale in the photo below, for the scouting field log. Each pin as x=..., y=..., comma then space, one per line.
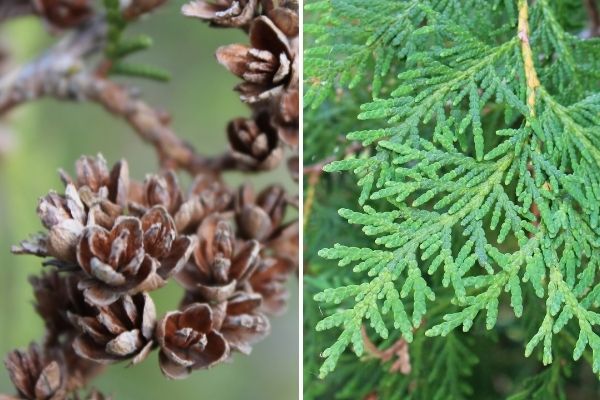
x=188, y=341
x=124, y=330
x=35, y=375
x=136, y=255
x=220, y=264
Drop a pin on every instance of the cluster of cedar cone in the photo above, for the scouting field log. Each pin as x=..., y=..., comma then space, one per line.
x=111, y=241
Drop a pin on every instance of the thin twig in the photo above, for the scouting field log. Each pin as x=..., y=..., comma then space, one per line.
x=60, y=73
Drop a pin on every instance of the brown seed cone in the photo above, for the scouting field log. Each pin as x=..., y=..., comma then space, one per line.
x=56, y=295
x=240, y=321
x=270, y=281
x=285, y=242
x=189, y=341
x=64, y=13
x=160, y=190
x=121, y=331
x=284, y=14
x=286, y=117
x=220, y=264
x=259, y=217
x=35, y=374
x=206, y=195
x=135, y=255
x=267, y=66
x=93, y=174
x=64, y=216
x=255, y=142
x=227, y=13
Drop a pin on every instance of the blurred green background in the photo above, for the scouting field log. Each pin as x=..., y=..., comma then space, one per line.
x=50, y=135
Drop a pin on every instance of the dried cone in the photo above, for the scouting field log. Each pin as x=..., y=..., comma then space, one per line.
x=121, y=331
x=64, y=217
x=267, y=66
x=160, y=190
x=135, y=255
x=206, y=195
x=93, y=175
x=64, y=13
x=255, y=142
x=35, y=375
x=189, y=341
x=284, y=242
x=56, y=295
x=240, y=321
x=228, y=13
x=286, y=117
x=269, y=280
x=220, y=265
x=259, y=217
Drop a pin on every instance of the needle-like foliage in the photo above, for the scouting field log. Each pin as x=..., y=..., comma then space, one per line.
x=481, y=178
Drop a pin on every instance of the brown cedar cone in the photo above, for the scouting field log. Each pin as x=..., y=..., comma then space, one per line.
x=285, y=242
x=97, y=196
x=35, y=375
x=64, y=216
x=259, y=217
x=160, y=190
x=228, y=13
x=94, y=175
x=64, y=13
x=240, y=322
x=118, y=332
x=255, y=142
x=56, y=295
x=188, y=341
x=136, y=255
x=220, y=263
x=206, y=195
x=286, y=118
x=270, y=280
x=268, y=66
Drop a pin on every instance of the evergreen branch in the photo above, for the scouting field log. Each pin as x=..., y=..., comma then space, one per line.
x=482, y=177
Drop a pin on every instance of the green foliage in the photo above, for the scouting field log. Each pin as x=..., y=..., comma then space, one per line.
x=478, y=187
x=118, y=48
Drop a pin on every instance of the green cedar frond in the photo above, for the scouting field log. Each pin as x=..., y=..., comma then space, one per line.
x=483, y=174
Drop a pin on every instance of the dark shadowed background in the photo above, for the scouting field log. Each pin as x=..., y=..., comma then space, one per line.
x=50, y=135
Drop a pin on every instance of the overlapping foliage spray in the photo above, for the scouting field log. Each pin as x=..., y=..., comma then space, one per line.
x=110, y=241
x=478, y=172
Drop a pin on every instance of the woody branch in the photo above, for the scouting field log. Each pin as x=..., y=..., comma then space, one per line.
x=61, y=73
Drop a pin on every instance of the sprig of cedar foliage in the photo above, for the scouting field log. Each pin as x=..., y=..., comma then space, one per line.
x=119, y=47
x=483, y=180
